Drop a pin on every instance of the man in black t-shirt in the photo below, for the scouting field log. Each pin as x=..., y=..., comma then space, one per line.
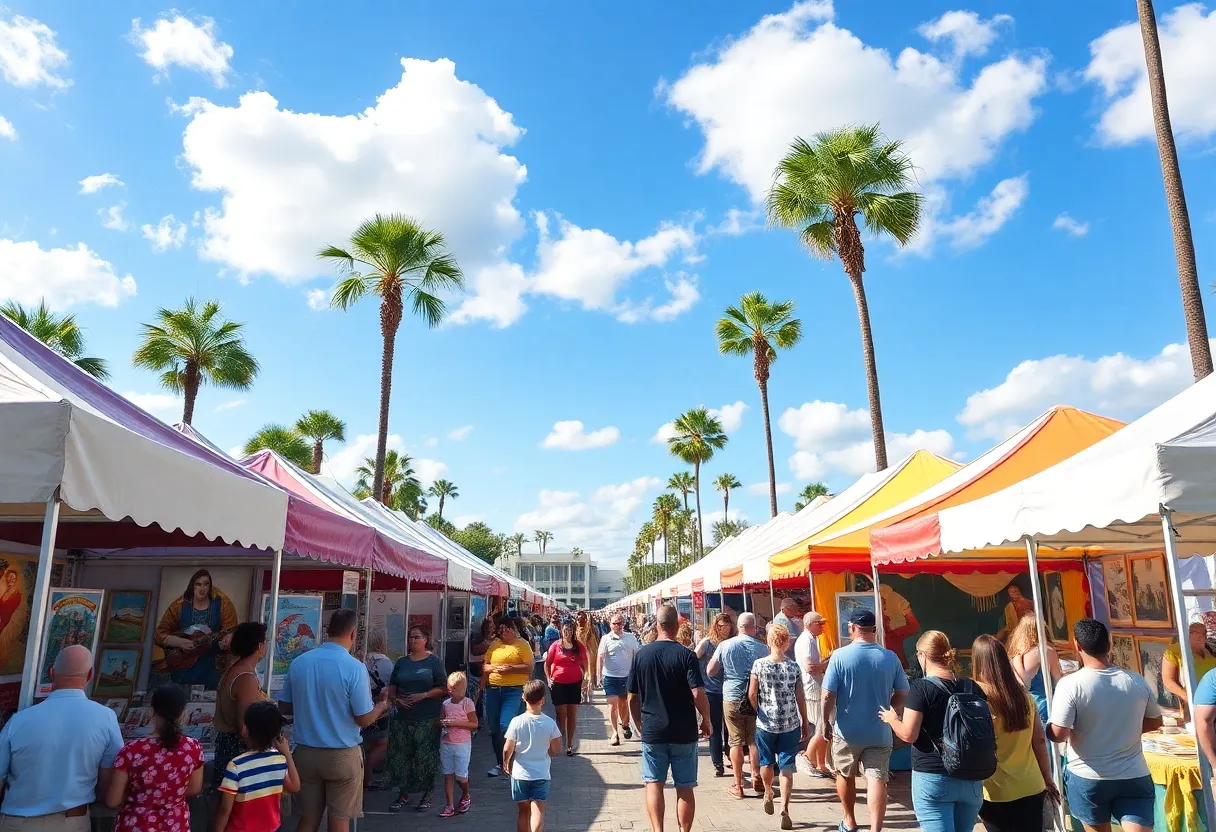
x=666, y=694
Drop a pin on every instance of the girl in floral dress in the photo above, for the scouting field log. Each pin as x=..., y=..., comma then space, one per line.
x=154, y=775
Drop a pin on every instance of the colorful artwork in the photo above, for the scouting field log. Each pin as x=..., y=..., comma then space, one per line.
x=126, y=616
x=1151, y=602
x=1057, y=616
x=963, y=659
x=1123, y=652
x=388, y=614
x=848, y=603
x=296, y=631
x=138, y=722
x=198, y=610
x=17, y=577
x=118, y=706
x=73, y=617
x=117, y=670
x=1118, y=591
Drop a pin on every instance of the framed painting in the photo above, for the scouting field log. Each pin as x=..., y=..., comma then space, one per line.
x=1123, y=652
x=1150, y=598
x=848, y=603
x=117, y=670
x=73, y=616
x=296, y=631
x=17, y=575
x=1057, y=616
x=1151, y=652
x=126, y=618
x=963, y=659
x=1118, y=591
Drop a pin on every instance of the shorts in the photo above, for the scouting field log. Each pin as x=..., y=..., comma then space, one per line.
x=454, y=758
x=1095, y=802
x=680, y=757
x=616, y=686
x=778, y=749
x=331, y=779
x=1014, y=815
x=566, y=693
x=814, y=712
x=741, y=727
x=525, y=790
x=850, y=760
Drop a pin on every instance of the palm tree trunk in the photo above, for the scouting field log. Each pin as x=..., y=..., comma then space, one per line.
x=726, y=504
x=190, y=383
x=1175, y=198
x=664, y=543
x=696, y=472
x=768, y=442
x=441, y=506
x=390, y=320
x=317, y=449
x=867, y=351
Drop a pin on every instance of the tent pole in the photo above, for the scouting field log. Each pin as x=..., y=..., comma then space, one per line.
x=272, y=624
x=882, y=633
x=1036, y=594
x=37, y=605
x=443, y=628
x=745, y=609
x=810, y=582
x=367, y=613
x=772, y=601
x=408, y=582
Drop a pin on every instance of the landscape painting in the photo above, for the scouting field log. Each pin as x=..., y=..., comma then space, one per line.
x=117, y=670
x=126, y=616
x=1123, y=652
x=1151, y=650
x=848, y=603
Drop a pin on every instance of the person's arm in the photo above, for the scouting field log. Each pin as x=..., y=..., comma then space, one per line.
x=1038, y=742
x=116, y=790
x=111, y=753
x=359, y=693
x=470, y=716
x=166, y=628
x=555, y=741
x=800, y=698
x=245, y=691
x=291, y=783
x=1205, y=730
x=714, y=668
x=224, y=811
x=195, y=786
x=599, y=659
x=635, y=708
x=1064, y=712
x=753, y=693
x=1151, y=723
x=906, y=728
x=549, y=667
x=1053, y=659
x=702, y=702
x=1171, y=677
x=508, y=755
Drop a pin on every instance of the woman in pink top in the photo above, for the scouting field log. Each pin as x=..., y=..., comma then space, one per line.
x=566, y=668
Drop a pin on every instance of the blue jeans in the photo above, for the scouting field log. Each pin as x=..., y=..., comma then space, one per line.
x=680, y=757
x=502, y=706
x=946, y=804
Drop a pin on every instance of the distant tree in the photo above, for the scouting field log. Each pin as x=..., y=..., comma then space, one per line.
x=443, y=489
x=399, y=480
x=517, y=542
x=435, y=521
x=724, y=483
x=283, y=441
x=697, y=436
x=542, y=539
x=684, y=483
x=481, y=540
x=59, y=332
x=318, y=427
x=727, y=528
x=809, y=493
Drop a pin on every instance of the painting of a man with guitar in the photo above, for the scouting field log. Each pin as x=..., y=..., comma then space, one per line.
x=194, y=633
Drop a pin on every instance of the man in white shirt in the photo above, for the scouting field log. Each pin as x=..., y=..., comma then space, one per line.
x=812, y=665
x=613, y=663
x=1101, y=711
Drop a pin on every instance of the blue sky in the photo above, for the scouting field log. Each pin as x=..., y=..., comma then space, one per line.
x=596, y=172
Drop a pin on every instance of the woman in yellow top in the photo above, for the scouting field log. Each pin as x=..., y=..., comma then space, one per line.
x=1013, y=796
x=507, y=668
x=1171, y=666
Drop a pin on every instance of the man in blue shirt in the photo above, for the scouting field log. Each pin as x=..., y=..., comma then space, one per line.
x=553, y=633
x=58, y=755
x=329, y=693
x=861, y=678
x=733, y=659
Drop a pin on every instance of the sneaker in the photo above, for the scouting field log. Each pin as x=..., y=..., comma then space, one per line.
x=494, y=772
x=465, y=804
x=628, y=733
x=448, y=812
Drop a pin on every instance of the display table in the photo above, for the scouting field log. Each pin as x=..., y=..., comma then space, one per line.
x=1174, y=765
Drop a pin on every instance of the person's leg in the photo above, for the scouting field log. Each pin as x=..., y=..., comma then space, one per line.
x=846, y=792
x=614, y=716
x=787, y=788
x=876, y=801
x=1134, y=803
x=561, y=711
x=1089, y=801
x=343, y=776
x=523, y=816
x=686, y=807
x=656, y=761
x=934, y=812
x=449, y=790
x=622, y=705
x=493, y=709
x=967, y=806
x=715, y=734
x=656, y=806
x=376, y=751
x=538, y=816
x=572, y=725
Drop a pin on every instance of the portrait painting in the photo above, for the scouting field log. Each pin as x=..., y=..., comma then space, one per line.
x=73, y=617
x=848, y=603
x=1057, y=615
x=1123, y=652
x=1151, y=651
x=17, y=576
x=126, y=616
x=117, y=671
x=1118, y=591
x=197, y=611
x=1150, y=598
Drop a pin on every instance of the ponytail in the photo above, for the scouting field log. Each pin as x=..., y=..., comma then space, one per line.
x=168, y=703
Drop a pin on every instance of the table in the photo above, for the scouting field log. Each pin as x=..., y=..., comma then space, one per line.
x=1178, y=783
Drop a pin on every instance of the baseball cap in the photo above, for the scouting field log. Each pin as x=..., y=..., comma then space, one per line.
x=862, y=618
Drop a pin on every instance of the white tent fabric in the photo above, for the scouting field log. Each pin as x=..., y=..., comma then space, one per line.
x=709, y=568
x=755, y=559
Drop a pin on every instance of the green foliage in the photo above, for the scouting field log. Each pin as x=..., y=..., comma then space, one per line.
x=318, y=427
x=284, y=441
x=59, y=332
x=809, y=493
x=724, y=529
x=438, y=523
x=757, y=321
x=697, y=436
x=481, y=540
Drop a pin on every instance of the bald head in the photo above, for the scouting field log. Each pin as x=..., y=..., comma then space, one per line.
x=73, y=667
x=790, y=607
x=747, y=623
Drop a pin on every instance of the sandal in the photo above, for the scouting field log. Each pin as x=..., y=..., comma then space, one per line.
x=616, y=739
x=424, y=803
x=735, y=792
x=569, y=752
x=768, y=804
x=786, y=823
x=758, y=786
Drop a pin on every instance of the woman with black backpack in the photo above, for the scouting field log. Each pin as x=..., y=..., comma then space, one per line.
x=953, y=741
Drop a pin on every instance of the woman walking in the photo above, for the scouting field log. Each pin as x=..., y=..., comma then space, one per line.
x=722, y=629
x=1023, y=649
x=1013, y=796
x=587, y=632
x=566, y=668
x=375, y=736
x=417, y=686
x=238, y=689
x=776, y=695
x=508, y=666
x=943, y=803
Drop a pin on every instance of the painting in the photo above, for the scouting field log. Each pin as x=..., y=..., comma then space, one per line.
x=73, y=617
x=963, y=659
x=126, y=616
x=138, y=722
x=118, y=706
x=1118, y=591
x=197, y=610
x=1151, y=600
x=1151, y=650
x=297, y=630
x=388, y=614
x=17, y=576
x=848, y=603
x=117, y=670
x=1123, y=652
x=1057, y=616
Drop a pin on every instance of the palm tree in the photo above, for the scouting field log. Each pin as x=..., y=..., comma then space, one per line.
x=399, y=480
x=283, y=441
x=193, y=346
x=724, y=483
x=649, y=537
x=397, y=259
x=519, y=540
x=665, y=505
x=59, y=332
x=443, y=489
x=697, y=436
x=542, y=539
x=820, y=188
x=682, y=482
x=809, y=493
x=727, y=528
x=1175, y=198
x=759, y=328
x=318, y=426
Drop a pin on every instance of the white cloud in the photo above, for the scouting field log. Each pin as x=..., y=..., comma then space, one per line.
x=237, y=452
x=1113, y=385
x=572, y=436
x=965, y=31
x=29, y=56
x=760, y=489
x=318, y=299
x=343, y=463
x=63, y=276
x=462, y=520
x=231, y=404
x=604, y=526
x=730, y=415
x=712, y=517
x=738, y=221
x=990, y=213
x=431, y=442
x=158, y=404
x=93, y=184
x=1117, y=66
x=430, y=470
x=166, y=234
x=113, y=219
x=684, y=295
x=627, y=496
x=496, y=294
x=1070, y=226
x=7, y=130
x=460, y=433
x=179, y=41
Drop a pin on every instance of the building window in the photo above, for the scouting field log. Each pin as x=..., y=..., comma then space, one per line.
x=604, y=588
x=576, y=571
x=525, y=573
x=577, y=590
x=542, y=573
x=559, y=573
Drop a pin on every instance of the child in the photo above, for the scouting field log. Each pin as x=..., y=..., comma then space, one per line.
x=459, y=720
x=531, y=740
x=253, y=782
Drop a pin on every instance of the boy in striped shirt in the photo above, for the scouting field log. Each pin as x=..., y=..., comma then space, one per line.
x=255, y=781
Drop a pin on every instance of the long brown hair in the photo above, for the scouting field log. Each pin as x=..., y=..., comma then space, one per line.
x=719, y=620
x=994, y=674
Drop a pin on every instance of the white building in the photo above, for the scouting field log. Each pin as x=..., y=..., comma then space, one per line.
x=572, y=578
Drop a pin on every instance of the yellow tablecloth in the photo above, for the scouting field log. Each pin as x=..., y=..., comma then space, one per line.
x=1181, y=779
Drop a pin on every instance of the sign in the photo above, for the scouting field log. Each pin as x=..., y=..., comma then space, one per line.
x=698, y=602
x=350, y=590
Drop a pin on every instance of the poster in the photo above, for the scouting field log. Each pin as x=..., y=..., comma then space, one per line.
x=1123, y=652
x=1151, y=606
x=1151, y=650
x=126, y=616
x=197, y=609
x=16, y=587
x=73, y=617
x=297, y=630
x=117, y=670
x=1057, y=616
x=848, y=603
x=388, y=614
x=1118, y=591
x=478, y=613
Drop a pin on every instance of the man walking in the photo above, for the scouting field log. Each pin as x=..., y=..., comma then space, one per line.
x=666, y=694
x=56, y=757
x=812, y=666
x=329, y=693
x=614, y=661
x=790, y=618
x=733, y=660
x=862, y=678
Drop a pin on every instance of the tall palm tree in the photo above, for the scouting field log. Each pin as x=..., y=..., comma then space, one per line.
x=542, y=539
x=1175, y=198
x=443, y=489
x=193, y=346
x=283, y=441
x=727, y=528
x=682, y=482
x=697, y=436
x=809, y=493
x=819, y=190
x=665, y=506
x=399, y=480
x=724, y=483
x=59, y=332
x=649, y=537
x=759, y=328
x=519, y=539
x=319, y=426
x=395, y=258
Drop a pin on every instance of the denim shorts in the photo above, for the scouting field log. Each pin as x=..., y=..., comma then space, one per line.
x=680, y=757
x=1095, y=802
x=780, y=750
x=454, y=759
x=524, y=790
x=615, y=686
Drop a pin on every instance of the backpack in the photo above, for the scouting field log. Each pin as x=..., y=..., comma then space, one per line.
x=968, y=746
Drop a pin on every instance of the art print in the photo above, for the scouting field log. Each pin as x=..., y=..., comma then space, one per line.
x=1150, y=597
x=126, y=616
x=1118, y=591
x=73, y=617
